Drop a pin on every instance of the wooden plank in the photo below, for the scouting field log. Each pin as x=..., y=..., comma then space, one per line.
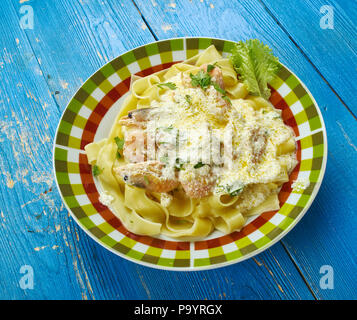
x=333, y=52
x=36, y=229
x=326, y=235
x=97, y=273
x=30, y=232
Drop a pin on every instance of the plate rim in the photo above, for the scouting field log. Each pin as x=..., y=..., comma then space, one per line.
x=216, y=265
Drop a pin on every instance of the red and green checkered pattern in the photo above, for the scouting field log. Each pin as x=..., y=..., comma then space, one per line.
x=107, y=86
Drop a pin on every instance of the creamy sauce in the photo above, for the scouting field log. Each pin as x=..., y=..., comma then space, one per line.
x=242, y=139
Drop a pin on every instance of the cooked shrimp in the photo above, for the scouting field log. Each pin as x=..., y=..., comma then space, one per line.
x=258, y=140
x=198, y=185
x=216, y=75
x=147, y=175
x=136, y=118
x=135, y=145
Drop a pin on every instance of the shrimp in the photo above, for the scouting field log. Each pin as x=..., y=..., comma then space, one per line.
x=134, y=149
x=216, y=75
x=147, y=175
x=199, y=184
x=136, y=118
x=135, y=145
x=258, y=141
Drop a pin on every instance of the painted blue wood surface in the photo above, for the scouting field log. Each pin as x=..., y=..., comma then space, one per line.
x=40, y=69
x=327, y=234
x=333, y=50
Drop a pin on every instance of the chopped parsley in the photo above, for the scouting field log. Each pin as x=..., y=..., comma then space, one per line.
x=120, y=144
x=198, y=165
x=201, y=79
x=170, y=85
x=188, y=98
x=218, y=88
x=210, y=67
x=96, y=170
x=179, y=164
x=234, y=189
x=227, y=99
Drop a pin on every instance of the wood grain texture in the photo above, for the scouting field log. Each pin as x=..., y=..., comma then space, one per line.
x=40, y=70
x=333, y=52
x=327, y=234
x=67, y=263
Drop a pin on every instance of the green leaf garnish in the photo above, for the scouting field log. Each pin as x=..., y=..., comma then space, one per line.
x=201, y=79
x=210, y=67
x=179, y=164
x=256, y=66
x=198, y=165
x=188, y=98
x=235, y=189
x=219, y=89
x=96, y=170
x=170, y=85
x=119, y=142
x=227, y=99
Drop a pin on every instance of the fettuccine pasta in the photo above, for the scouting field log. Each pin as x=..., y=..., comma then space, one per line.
x=191, y=152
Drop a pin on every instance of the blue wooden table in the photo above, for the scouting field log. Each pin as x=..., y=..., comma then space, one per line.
x=42, y=65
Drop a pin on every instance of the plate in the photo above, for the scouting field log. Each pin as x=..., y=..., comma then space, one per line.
x=89, y=117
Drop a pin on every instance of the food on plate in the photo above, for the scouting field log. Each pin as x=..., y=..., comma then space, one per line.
x=197, y=147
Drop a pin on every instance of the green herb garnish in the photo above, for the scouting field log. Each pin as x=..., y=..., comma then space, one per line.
x=188, y=98
x=201, y=79
x=227, y=99
x=256, y=66
x=218, y=88
x=234, y=189
x=210, y=67
x=120, y=144
x=96, y=170
x=170, y=85
x=198, y=165
x=179, y=164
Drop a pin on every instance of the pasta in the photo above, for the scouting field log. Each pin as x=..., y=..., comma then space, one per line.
x=191, y=152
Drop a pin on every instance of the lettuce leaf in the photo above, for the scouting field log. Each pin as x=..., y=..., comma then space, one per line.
x=256, y=66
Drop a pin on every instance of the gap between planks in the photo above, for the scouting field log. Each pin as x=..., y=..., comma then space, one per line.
x=303, y=53
x=306, y=57
x=145, y=22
